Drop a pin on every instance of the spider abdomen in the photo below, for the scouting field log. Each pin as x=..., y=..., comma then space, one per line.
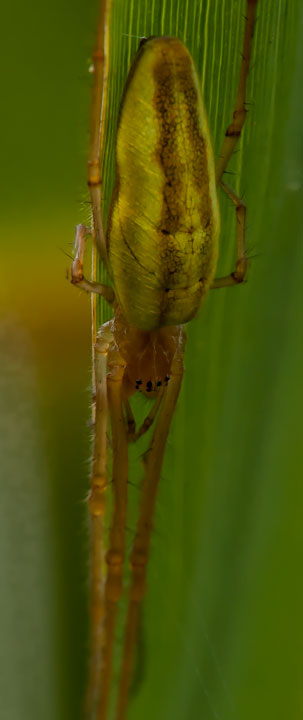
x=163, y=226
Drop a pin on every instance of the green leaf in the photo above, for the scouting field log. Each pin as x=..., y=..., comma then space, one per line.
x=221, y=631
x=221, y=620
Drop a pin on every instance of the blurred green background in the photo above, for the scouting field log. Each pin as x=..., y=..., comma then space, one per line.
x=222, y=629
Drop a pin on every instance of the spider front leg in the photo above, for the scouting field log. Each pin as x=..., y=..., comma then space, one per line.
x=115, y=554
x=238, y=275
x=96, y=504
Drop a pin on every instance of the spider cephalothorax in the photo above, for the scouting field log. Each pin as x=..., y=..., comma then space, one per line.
x=148, y=355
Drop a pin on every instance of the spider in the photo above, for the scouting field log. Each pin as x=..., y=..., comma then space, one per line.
x=160, y=251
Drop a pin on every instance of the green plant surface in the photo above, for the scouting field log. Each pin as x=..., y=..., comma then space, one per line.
x=221, y=621
x=221, y=635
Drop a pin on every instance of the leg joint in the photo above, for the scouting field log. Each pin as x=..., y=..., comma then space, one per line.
x=114, y=559
x=240, y=271
x=96, y=499
x=138, y=559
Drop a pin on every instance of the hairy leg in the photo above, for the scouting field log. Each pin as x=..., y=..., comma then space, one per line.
x=96, y=504
x=115, y=554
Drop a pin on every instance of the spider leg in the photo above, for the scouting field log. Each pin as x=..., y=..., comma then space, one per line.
x=238, y=275
x=100, y=88
x=77, y=277
x=115, y=554
x=140, y=551
x=96, y=504
x=233, y=131
x=130, y=420
x=134, y=435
